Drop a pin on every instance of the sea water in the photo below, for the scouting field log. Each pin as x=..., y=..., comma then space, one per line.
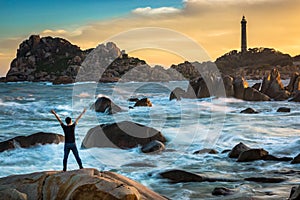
x=189, y=125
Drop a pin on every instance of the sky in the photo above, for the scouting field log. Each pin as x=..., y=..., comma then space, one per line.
x=214, y=25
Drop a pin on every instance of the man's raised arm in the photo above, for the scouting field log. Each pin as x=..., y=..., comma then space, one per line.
x=57, y=117
x=78, y=118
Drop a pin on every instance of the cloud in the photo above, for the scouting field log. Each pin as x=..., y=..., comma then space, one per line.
x=148, y=11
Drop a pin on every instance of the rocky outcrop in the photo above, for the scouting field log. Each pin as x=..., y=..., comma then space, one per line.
x=122, y=135
x=31, y=140
x=273, y=87
x=79, y=184
x=296, y=97
x=105, y=105
x=153, y=147
x=144, y=102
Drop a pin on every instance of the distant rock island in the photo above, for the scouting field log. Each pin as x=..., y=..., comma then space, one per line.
x=57, y=60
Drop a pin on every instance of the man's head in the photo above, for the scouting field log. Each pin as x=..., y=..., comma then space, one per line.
x=68, y=120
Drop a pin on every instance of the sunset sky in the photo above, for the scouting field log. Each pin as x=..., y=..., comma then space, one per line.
x=213, y=24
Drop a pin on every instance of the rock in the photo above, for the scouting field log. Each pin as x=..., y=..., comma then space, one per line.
x=283, y=109
x=177, y=94
x=274, y=158
x=133, y=99
x=239, y=85
x=249, y=111
x=63, y=80
x=294, y=84
x=296, y=160
x=296, y=97
x=143, y=102
x=209, y=151
x=198, y=88
x=256, y=86
x=237, y=150
x=122, y=135
x=295, y=193
x=31, y=140
x=266, y=179
x=105, y=105
x=153, y=147
x=139, y=164
x=179, y=176
x=252, y=155
x=12, y=194
x=228, y=85
x=222, y=191
x=273, y=87
x=78, y=184
x=251, y=94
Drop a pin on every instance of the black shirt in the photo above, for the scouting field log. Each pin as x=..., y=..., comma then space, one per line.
x=69, y=133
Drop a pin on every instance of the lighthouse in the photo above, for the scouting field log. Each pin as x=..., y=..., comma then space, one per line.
x=243, y=35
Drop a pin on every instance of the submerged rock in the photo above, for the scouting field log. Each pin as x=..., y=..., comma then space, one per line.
x=209, y=151
x=78, y=184
x=266, y=179
x=222, y=191
x=283, y=109
x=249, y=111
x=179, y=176
x=237, y=150
x=153, y=147
x=122, y=135
x=104, y=104
x=31, y=140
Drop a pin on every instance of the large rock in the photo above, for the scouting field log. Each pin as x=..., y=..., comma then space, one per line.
x=105, y=105
x=294, y=84
x=31, y=140
x=239, y=85
x=273, y=87
x=237, y=150
x=228, y=85
x=177, y=94
x=296, y=97
x=252, y=155
x=123, y=135
x=251, y=94
x=143, y=102
x=295, y=193
x=79, y=184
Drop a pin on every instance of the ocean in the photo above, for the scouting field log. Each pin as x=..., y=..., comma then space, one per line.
x=189, y=125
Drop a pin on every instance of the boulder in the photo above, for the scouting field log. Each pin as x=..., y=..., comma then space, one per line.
x=249, y=111
x=296, y=97
x=228, y=85
x=143, y=102
x=251, y=94
x=274, y=158
x=122, y=135
x=273, y=87
x=31, y=140
x=153, y=147
x=203, y=151
x=12, y=194
x=222, y=191
x=283, y=109
x=177, y=94
x=105, y=105
x=239, y=85
x=198, y=88
x=266, y=179
x=78, y=184
x=295, y=193
x=237, y=150
x=296, y=160
x=179, y=176
x=294, y=84
x=63, y=80
x=252, y=155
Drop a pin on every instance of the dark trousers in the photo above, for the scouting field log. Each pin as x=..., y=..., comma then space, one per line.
x=67, y=148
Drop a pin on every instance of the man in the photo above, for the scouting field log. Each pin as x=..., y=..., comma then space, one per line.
x=69, y=131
